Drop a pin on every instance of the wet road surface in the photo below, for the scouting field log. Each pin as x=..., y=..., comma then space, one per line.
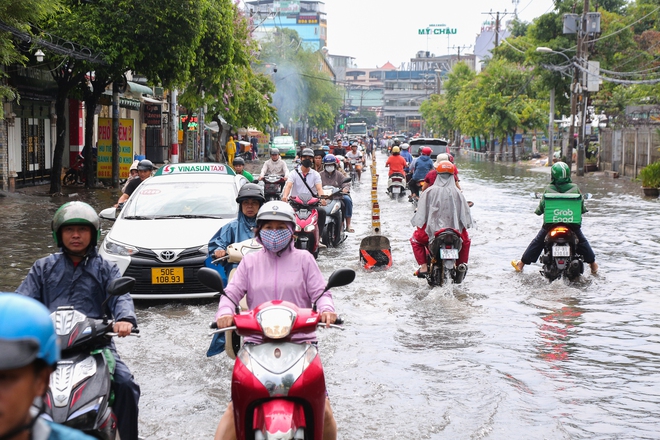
x=504, y=355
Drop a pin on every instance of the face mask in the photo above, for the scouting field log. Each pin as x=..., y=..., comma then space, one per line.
x=274, y=240
x=307, y=163
x=330, y=168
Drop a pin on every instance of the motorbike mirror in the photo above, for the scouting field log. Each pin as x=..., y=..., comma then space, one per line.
x=117, y=287
x=535, y=195
x=340, y=277
x=120, y=286
x=587, y=196
x=347, y=179
x=109, y=214
x=212, y=279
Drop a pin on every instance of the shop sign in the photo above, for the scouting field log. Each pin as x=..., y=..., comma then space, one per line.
x=104, y=155
x=307, y=19
x=152, y=115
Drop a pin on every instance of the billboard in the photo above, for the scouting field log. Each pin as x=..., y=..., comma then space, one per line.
x=287, y=6
x=104, y=153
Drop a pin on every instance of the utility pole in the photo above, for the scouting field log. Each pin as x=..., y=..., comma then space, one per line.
x=497, y=23
x=458, y=48
x=115, y=134
x=551, y=128
x=582, y=45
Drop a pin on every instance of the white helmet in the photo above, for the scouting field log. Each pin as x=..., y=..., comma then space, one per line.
x=404, y=146
x=276, y=210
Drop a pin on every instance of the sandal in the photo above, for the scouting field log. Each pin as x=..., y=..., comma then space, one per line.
x=419, y=274
x=351, y=230
x=514, y=263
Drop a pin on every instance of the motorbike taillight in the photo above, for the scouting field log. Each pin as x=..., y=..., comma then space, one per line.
x=558, y=230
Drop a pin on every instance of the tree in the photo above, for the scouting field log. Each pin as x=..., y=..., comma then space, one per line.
x=19, y=15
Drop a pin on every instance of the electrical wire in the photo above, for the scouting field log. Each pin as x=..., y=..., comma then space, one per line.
x=623, y=28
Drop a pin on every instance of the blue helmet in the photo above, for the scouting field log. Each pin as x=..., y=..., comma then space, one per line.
x=26, y=332
x=330, y=158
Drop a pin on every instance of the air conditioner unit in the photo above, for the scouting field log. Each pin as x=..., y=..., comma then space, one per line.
x=158, y=92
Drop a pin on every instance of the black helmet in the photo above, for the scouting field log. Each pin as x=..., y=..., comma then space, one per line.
x=251, y=191
x=238, y=161
x=145, y=165
x=75, y=213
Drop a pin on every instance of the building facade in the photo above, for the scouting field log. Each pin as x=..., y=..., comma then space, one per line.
x=308, y=18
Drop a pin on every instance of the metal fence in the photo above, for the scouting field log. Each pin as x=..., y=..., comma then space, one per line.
x=628, y=150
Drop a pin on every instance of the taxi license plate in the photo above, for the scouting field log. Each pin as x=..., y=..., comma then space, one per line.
x=396, y=190
x=449, y=254
x=561, y=251
x=167, y=275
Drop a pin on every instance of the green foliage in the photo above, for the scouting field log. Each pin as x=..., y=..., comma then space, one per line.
x=19, y=14
x=650, y=175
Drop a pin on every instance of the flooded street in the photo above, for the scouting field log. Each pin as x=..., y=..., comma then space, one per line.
x=503, y=355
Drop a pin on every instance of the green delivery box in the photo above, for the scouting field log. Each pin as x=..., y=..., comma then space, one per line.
x=563, y=208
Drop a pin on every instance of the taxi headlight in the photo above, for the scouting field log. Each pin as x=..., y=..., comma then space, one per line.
x=309, y=228
x=204, y=249
x=276, y=322
x=114, y=248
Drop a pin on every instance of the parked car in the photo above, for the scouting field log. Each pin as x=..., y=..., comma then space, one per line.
x=285, y=144
x=160, y=237
x=438, y=146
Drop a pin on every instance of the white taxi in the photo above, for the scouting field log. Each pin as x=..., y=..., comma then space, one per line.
x=161, y=235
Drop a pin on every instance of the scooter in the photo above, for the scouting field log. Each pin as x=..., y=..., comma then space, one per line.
x=307, y=219
x=442, y=256
x=273, y=185
x=80, y=391
x=235, y=254
x=396, y=186
x=278, y=386
x=333, y=233
x=75, y=174
x=560, y=257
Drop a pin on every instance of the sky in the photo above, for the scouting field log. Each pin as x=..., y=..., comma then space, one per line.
x=377, y=31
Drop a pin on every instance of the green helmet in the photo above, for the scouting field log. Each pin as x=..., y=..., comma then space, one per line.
x=75, y=213
x=561, y=173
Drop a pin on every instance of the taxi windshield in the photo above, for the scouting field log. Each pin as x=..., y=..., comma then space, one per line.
x=182, y=200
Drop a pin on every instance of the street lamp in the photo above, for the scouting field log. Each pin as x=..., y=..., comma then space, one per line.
x=571, y=128
x=39, y=55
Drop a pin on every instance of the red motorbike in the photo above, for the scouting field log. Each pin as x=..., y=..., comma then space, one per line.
x=307, y=222
x=278, y=386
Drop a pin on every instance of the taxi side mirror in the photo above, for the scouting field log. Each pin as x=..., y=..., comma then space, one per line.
x=109, y=214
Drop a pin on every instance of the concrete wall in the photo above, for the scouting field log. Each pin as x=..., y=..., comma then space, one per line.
x=628, y=150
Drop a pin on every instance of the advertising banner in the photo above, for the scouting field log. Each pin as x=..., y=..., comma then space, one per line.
x=104, y=155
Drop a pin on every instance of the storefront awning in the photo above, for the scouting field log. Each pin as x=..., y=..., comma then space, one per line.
x=139, y=89
x=152, y=101
x=131, y=104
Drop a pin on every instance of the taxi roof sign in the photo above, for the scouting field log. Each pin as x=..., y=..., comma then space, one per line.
x=195, y=168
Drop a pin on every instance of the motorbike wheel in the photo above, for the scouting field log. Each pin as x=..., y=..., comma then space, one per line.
x=69, y=179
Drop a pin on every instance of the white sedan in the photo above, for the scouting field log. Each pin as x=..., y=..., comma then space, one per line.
x=161, y=235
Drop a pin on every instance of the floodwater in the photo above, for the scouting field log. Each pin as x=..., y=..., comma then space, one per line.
x=504, y=355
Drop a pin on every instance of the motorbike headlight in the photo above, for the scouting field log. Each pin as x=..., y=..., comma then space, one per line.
x=276, y=322
x=310, y=355
x=115, y=248
x=309, y=228
x=298, y=228
x=204, y=250
x=335, y=208
x=85, y=416
x=244, y=357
